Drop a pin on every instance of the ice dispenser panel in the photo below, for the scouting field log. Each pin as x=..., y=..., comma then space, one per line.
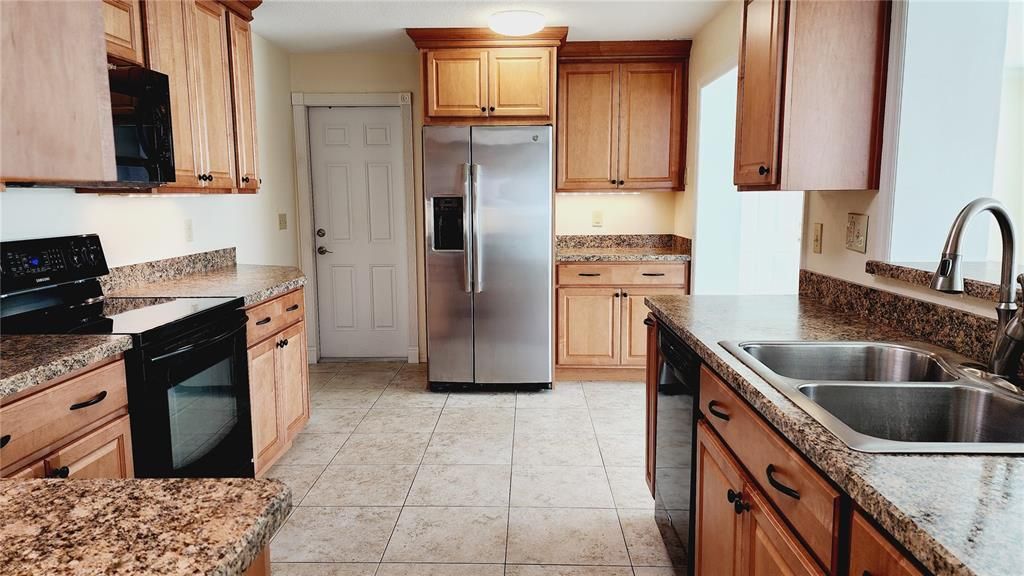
x=448, y=233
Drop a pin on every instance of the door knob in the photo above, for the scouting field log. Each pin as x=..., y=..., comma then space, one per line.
x=321, y=251
x=321, y=232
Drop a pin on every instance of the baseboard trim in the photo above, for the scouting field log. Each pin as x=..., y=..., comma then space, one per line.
x=567, y=374
x=413, y=355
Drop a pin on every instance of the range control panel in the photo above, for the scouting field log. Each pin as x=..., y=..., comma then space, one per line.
x=28, y=264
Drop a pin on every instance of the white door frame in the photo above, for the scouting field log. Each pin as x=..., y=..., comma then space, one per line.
x=301, y=101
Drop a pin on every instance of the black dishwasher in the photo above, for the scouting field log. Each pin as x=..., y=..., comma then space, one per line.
x=675, y=445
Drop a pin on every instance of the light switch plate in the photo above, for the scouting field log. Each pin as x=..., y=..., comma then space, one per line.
x=818, y=228
x=282, y=221
x=188, y=230
x=857, y=232
x=597, y=218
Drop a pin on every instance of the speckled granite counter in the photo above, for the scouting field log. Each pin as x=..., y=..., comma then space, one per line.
x=958, y=515
x=134, y=527
x=26, y=361
x=252, y=282
x=620, y=255
x=622, y=248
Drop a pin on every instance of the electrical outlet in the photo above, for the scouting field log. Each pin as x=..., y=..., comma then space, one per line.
x=857, y=232
x=597, y=218
x=188, y=230
x=818, y=228
x=282, y=221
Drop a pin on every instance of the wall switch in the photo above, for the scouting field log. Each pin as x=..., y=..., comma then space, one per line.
x=282, y=221
x=857, y=232
x=188, y=230
x=597, y=218
x=818, y=228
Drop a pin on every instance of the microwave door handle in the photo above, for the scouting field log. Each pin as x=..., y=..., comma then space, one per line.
x=201, y=344
x=467, y=240
x=478, y=264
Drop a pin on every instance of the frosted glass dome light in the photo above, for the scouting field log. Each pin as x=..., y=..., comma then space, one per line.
x=516, y=22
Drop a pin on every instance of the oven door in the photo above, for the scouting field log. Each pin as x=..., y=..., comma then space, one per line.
x=190, y=412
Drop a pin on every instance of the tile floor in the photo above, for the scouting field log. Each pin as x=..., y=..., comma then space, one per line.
x=389, y=479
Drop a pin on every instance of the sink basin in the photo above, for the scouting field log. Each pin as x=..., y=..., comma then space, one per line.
x=893, y=397
x=849, y=361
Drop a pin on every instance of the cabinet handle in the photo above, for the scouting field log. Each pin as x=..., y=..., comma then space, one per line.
x=588, y=274
x=736, y=499
x=491, y=109
x=770, y=472
x=292, y=308
x=94, y=400
x=483, y=108
x=648, y=322
x=621, y=182
x=285, y=342
x=733, y=495
x=61, y=472
x=5, y=440
x=717, y=413
x=653, y=274
x=262, y=322
x=625, y=294
x=762, y=170
x=616, y=295
x=613, y=181
x=245, y=179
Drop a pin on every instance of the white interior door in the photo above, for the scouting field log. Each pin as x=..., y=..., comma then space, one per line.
x=356, y=157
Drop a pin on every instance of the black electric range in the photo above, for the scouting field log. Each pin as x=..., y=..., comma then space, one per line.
x=187, y=374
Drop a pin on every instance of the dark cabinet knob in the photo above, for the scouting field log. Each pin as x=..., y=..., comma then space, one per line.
x=616, y=295
x=245, y=179
x=762, y=170
x=4, y=440
x=614, y=181
x=648, y=322
x=61, y=472
x=740, y=506
x=733, y=495
x=625, y=294
x=491, y=108
x=621, y=182
x=483, y=108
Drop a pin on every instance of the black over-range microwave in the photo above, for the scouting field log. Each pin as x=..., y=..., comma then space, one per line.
x=140, y=104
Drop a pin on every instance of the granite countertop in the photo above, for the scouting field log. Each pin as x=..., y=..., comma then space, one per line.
x=28, y=360
x=131, y=527
x=252, y=282
x=959, y=515
x=651, y=254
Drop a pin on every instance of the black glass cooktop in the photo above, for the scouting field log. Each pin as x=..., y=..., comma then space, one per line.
x=140, y=315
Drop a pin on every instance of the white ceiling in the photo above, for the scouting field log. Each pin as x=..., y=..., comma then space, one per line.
x=351, y=26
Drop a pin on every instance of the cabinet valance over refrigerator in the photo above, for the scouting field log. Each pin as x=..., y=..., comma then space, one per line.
x=488, y=193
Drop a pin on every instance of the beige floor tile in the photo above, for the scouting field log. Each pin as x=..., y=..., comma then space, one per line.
x=542, y=570
x=391, y=367
x=562, y=396
x=646, y=543
x=610, y=422
x=323, y=569
x=333, y=420
x=387, y=569
x=553, y=421
x=299, y=478
x=481, y=399
x=560, y=487
x=371, y=380
x=532, y=449
x=622, y=450
x=312, y=449
x=460, y=485
x=655, y=571
x=345, y=485
x=565, y=536
x=411, y=376
x=342, y=398
x=399, y=420
x=629, y=487
x=334, y=535
x=469, y=449
x=622, y=401
x=329, y=367
x=383, y=449
x=317, y=379
x=453, y=535
x=476, y=420
x=394, y=397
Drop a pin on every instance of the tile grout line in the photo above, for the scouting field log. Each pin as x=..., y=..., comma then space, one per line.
x=511, y=474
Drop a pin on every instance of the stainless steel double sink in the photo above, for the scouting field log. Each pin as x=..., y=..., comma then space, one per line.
x=893, y=398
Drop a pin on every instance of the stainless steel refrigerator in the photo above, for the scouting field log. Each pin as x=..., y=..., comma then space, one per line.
x=488, y=193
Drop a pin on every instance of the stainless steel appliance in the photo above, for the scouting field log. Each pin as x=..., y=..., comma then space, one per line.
x=488, y=193
x=187, y=374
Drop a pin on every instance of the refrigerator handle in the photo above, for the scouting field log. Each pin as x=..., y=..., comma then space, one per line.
x=466, y=231
x=478, y=279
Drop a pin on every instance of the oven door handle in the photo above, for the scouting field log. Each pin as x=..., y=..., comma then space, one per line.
x=202, y=343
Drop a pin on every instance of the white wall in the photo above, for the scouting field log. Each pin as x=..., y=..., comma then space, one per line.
x=138, y=229
x=643, y=213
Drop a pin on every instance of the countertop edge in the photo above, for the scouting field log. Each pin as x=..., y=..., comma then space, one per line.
x=571, y=258
x=259, y=535
x=272, y=292
x=63, y=365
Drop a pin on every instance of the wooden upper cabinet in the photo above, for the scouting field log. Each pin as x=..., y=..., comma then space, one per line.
x=214, y=74
x=520, y=81
x=246, y=152
x=122, y=26
x=650, y=129
x=872, y=554
x=457, y=83
x=810, y=97
x=588, y=126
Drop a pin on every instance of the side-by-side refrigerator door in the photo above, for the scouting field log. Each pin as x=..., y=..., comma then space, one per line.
x=512, y=205
x=446, y=184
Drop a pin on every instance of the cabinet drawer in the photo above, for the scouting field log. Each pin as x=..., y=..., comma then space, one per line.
x=871, y=553
x=40, y=420
x=621, y=274
x=805, y=499
x=272, y=316
x=104, y=453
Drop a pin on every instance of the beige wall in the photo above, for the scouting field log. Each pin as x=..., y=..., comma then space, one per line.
x=375, y=72
x=644, y=213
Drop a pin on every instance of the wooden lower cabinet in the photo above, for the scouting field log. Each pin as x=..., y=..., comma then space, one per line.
x=105, y=453
x=768, y=546
x=292, y=375
x=267, y=440
x=717, y=523
x=651, y=404
x=589, y=330
x=871, y=554
x=634, y=331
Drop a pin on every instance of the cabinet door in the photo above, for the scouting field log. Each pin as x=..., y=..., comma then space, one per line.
x=456, y=83
x=651, y=418
x=170, y=43
x=759, y=93
x=263, y=397
x=718, y=524
x=588, y=126
x=589, y=326
x=634, y=332
x=292, y=380
x=872, y=554
x=103, y=453
x=651, y=125
x=244, y=105
x=768, y=546
x=122, y=26
x=519, y=82
x=213, y=71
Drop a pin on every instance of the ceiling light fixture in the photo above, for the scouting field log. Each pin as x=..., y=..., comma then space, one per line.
x=516, y=22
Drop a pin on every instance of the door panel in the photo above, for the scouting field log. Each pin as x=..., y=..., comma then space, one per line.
x=122, y=25
x=520, y=82
x=246, y=157
x=718, y=525
x=588, y=126
x=759, y=93
x=104, y=453
x=215, y=92
x=357, y=160
x=456, y=83
x=292, y=384
x=769, y=548
x=589, y=329
x=634, y=331
x=650, y=138
x=513, y=254
x=263, y=396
